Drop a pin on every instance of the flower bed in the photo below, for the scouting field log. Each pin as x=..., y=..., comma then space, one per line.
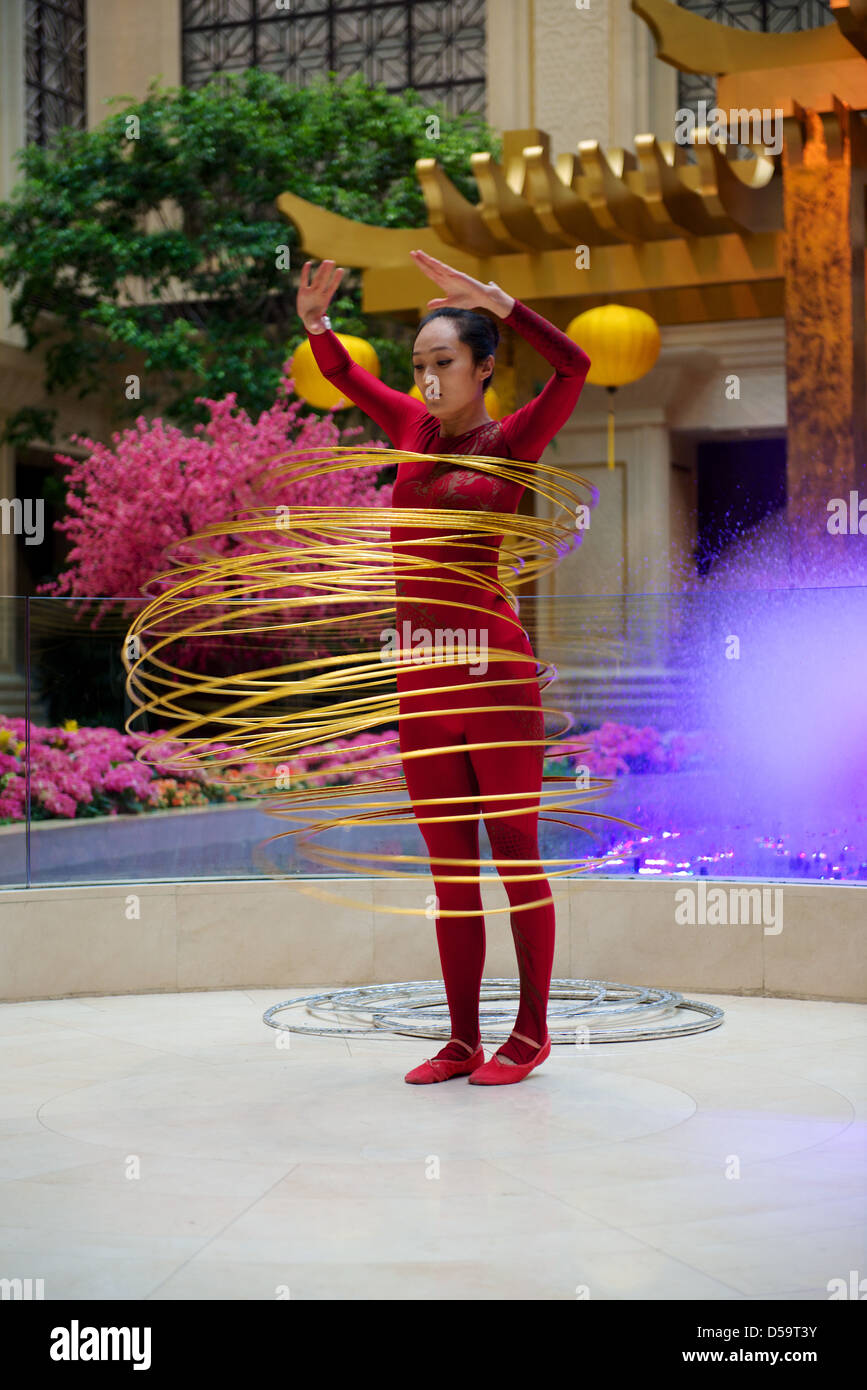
x=615, y=749
x=78, y=773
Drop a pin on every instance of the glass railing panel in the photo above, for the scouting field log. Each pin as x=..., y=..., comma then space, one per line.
x=134, y=822
x=13, y=742
x=730, y=727
x=754, y=759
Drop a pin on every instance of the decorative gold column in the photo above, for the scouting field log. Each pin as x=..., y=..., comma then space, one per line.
x=815, y=82
x=824, y=160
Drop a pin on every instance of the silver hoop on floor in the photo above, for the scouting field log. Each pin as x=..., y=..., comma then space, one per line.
x=419, y=1009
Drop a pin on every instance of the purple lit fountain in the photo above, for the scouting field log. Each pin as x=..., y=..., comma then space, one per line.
x=776, y=678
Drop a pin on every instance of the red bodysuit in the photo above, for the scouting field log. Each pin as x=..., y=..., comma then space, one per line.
x=435, y=715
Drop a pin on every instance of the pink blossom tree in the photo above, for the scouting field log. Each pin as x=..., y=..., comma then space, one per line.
x=155, y=486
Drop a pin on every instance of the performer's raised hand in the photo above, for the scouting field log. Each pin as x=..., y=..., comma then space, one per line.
x=314, y=296
x=462, y=291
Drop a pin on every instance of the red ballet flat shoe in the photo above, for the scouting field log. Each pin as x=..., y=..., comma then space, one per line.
x=441, y=1069
x=497, y=1073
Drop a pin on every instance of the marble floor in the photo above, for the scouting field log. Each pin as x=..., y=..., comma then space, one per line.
x=171, y=1146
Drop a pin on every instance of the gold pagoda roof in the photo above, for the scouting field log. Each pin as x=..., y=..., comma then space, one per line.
x=687, y=241
x=650, y=219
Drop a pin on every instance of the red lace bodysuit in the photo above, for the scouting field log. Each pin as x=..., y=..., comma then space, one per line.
x=472, y=781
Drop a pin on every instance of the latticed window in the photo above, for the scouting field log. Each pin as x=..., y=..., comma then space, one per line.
x=55, y=33
x=762, y=16
x=434, y=46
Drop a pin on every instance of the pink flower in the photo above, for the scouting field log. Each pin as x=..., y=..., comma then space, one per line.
x=59, y=804
x=127, y=777
x=119, y=538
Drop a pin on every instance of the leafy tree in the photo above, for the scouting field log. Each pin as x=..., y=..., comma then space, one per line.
x=180, y=189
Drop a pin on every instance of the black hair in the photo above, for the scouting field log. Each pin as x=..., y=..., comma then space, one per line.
x=481, y=334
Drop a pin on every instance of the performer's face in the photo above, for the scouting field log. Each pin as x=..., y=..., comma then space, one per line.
x=444, y=369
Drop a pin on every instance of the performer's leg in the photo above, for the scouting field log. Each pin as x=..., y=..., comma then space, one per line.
x=461, y=939
x=513, y=837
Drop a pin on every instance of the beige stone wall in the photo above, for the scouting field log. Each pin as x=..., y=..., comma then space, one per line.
x=588, y=74
x=63, y=942
x=128, y=44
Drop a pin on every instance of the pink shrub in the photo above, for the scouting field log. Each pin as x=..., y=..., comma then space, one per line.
x=154, y=486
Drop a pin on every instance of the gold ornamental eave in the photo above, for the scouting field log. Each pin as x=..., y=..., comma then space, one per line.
x=778, y=72
x=726, y=273
x=694, y=44
x=851, y=16
x=655, y=228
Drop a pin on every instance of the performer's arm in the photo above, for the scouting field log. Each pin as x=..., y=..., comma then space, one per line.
x=392, y=410
x=529, y=430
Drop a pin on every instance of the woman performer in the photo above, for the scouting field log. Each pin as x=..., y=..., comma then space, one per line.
x=453, y=364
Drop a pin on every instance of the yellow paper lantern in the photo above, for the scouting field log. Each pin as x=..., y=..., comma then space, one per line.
x=622, y=344
x=493, y=404
x=316, y=389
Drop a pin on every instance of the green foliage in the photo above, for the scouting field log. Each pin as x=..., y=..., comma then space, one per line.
x=105, y=224
x=28, y=424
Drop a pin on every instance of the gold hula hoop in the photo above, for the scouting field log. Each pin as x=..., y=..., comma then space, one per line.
x=337, y=557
